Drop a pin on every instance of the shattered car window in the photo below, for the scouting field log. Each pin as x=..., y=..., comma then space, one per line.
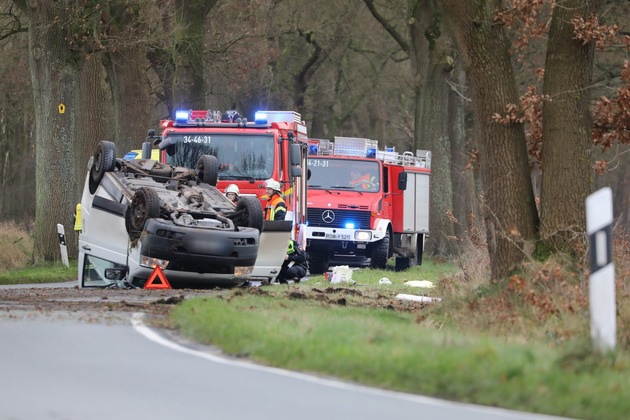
x=94, y=271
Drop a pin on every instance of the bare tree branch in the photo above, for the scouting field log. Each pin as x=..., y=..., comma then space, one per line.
x=404, y=45
x=10, y=22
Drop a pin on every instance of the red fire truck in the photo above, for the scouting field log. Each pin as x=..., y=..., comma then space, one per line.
x=365, y=204
x=274, y=146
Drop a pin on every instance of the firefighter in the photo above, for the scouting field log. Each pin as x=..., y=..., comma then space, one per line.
x=77, y=219
x=362, y=182
x=232, y=193
x=276, y=208
x=294, y=266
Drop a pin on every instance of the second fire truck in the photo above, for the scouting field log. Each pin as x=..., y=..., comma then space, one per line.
x=366, y=205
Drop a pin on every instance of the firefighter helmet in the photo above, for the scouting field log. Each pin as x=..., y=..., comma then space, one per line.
x=232, y=188
x=273, y=184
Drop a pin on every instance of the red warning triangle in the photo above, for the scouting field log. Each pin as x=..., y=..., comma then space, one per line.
x=161, y=282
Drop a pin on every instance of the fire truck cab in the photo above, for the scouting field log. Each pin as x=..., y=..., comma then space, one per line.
x=365, y=204
x=248, y=153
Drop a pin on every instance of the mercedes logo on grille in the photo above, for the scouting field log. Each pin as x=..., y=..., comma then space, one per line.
x=328, y=216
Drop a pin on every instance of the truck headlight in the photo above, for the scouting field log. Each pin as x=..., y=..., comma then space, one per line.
x=152, y=262
x=362, y=235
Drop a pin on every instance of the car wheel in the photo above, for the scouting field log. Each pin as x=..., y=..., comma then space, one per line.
x=208, y=170
x=145, y=205
x=104, y=161
x=251, y=213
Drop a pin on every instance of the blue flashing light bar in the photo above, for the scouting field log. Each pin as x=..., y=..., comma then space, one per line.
x=181, y=116
x=260, y=117
x=266, y=117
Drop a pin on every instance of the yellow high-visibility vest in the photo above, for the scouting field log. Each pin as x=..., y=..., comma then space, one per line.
x=77, y=218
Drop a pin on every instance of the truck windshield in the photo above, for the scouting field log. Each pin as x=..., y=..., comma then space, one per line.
x=240, y=156
x=343, y=174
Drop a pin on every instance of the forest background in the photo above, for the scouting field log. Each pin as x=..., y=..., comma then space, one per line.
x=525, y=104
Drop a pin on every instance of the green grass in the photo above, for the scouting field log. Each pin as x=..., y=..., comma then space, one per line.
x=46, y=272
x=338, y=330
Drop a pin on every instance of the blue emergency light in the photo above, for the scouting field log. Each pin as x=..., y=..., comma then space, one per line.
x=181, y=116
x=349, y=225
x=260, y=117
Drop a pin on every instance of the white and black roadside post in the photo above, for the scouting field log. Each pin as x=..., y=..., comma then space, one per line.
x=62, y=244
x=601, y=286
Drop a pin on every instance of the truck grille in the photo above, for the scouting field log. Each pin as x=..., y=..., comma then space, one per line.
x=361, y=219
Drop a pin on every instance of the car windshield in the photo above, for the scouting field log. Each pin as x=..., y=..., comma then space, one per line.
x=343, y=174
x=240, y=156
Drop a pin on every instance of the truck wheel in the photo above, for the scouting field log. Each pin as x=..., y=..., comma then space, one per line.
x=252, y=213
x=317, y=262
x=104, y=161
x=380, y=253
x=208, y=169
x=402, y=263
x=419, y=249
x=145, y=205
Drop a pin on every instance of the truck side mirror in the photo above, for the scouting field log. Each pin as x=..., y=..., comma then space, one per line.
x=146, y=150
x=295, y=154
x=402, y=181
x=295, y=159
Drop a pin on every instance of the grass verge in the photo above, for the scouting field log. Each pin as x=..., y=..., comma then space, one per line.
x=16, y=259
x=45, y=272
x=362, y=333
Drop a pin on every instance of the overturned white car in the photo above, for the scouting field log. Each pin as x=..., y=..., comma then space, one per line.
x=139, y=214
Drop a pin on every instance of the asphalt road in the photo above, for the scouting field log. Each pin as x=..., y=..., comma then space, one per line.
x=55, y=365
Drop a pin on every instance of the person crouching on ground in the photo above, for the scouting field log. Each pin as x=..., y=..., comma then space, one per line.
x=295, y=265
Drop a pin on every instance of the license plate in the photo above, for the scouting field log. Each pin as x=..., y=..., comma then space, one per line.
x=342, y=236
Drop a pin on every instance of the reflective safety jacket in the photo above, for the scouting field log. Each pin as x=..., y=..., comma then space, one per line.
x=364, y=182
x=276, y=208
x=77, y=218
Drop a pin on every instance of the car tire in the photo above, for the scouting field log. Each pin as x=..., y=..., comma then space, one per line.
x=251, y=213
x=208, y=170
x=144, y=205
x=104, y=161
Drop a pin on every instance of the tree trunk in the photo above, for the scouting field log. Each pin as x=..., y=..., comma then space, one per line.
x=17, y=142
x=95, y=121
x=190, y=85
x=567, y=140
x=510, y=213
x=465, y=208
x=434, y=132
x=430, y=53
x=55, y=78
x=126, y=72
